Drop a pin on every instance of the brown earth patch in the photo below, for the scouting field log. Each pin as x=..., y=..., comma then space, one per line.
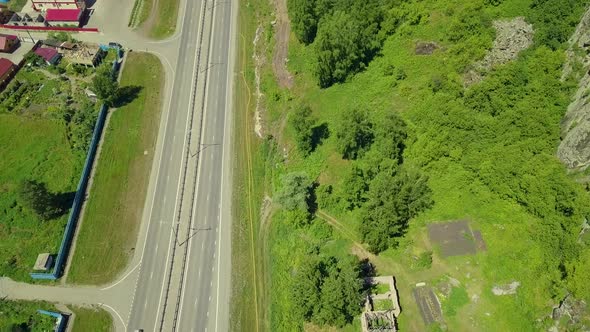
x=282, y=31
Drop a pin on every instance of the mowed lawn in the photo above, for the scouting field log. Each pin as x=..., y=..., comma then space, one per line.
x=113, y=213
x=92, y=319
x=33, y=149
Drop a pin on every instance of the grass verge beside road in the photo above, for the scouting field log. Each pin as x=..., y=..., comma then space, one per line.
x=163, y=23
x=158, y=17
x=23, y=316
x=248, y=294
x=113, y=213
x=92, y=319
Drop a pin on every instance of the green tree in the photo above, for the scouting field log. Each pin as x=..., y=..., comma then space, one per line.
x=35, y=196
x=328, y=290
x=303, y=19
x=105, y=86
x=307, y=287
x=355, y=187
x=302, y=123
x=338, y=48
x=295, y=195
x=555, y=20
x=393, y=200
x=354, y=134
x=391, y=134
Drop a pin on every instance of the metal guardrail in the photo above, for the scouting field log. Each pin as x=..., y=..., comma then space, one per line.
x=66, y=243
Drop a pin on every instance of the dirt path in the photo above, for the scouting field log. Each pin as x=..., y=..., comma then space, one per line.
x=281, y=51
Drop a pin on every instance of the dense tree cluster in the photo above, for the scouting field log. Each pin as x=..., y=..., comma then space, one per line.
x=345, y=33
x=393, y=199
x=328, y=290
x=553, y=20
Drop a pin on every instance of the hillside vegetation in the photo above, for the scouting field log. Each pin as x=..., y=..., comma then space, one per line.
x=375, y=142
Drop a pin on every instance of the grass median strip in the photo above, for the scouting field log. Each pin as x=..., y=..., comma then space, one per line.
x=164, y=22
x=113, y=213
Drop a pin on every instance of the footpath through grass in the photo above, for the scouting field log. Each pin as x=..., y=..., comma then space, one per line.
x=249, y=298
x=114, y=209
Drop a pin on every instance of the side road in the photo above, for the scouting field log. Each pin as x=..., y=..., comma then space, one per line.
x=113, y=300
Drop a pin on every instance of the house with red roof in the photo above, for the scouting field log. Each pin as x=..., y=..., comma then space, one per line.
x=7, y=72
x=50, y=55
x=8, y=43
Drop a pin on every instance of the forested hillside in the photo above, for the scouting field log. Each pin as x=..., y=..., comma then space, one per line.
x=383, y=135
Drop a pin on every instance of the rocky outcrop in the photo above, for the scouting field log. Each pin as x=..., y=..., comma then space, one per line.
x=512, y=37
x=574, y=149
x=507, y=289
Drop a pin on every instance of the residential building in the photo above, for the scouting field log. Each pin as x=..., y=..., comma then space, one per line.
x=43, y=5
x=8, y=43
x=7, y=72
x=50, y=55
x=55, y=17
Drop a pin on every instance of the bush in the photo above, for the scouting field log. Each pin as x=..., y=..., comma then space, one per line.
x=355, y=134
x=302, y=124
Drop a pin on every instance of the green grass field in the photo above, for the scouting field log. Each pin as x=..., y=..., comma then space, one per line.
x=249, y=311
x=92, y=319
x=113, y=214
x=17, y=5
x=31, y=148
x=23, y=315
x=515, y=251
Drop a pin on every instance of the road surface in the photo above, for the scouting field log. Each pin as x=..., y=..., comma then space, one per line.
x=180, y=279
x=181, y=271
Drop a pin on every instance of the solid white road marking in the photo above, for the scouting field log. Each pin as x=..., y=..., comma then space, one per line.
x=118, y=282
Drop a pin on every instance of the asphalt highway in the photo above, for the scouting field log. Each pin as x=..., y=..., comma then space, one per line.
x=183, y=281
x=179, y=277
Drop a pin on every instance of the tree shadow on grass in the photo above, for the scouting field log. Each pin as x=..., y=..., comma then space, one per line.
x=63, y=202
x=126, y=94
x=318, y=134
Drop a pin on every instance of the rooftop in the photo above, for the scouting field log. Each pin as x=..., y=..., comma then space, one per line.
x=5, y=66
x=63, y=15
x=46, y=53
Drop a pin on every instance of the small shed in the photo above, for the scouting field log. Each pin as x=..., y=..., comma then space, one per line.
x=44, y=262
x=50, y=55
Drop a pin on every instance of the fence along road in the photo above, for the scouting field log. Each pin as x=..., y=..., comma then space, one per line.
x=183, y=284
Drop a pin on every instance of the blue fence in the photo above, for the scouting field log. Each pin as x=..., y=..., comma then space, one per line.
x=66, y=243
x=62, y=320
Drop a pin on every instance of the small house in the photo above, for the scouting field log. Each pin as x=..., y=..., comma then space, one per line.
x=8, y=43
x=50, y=55
x=7, y=72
